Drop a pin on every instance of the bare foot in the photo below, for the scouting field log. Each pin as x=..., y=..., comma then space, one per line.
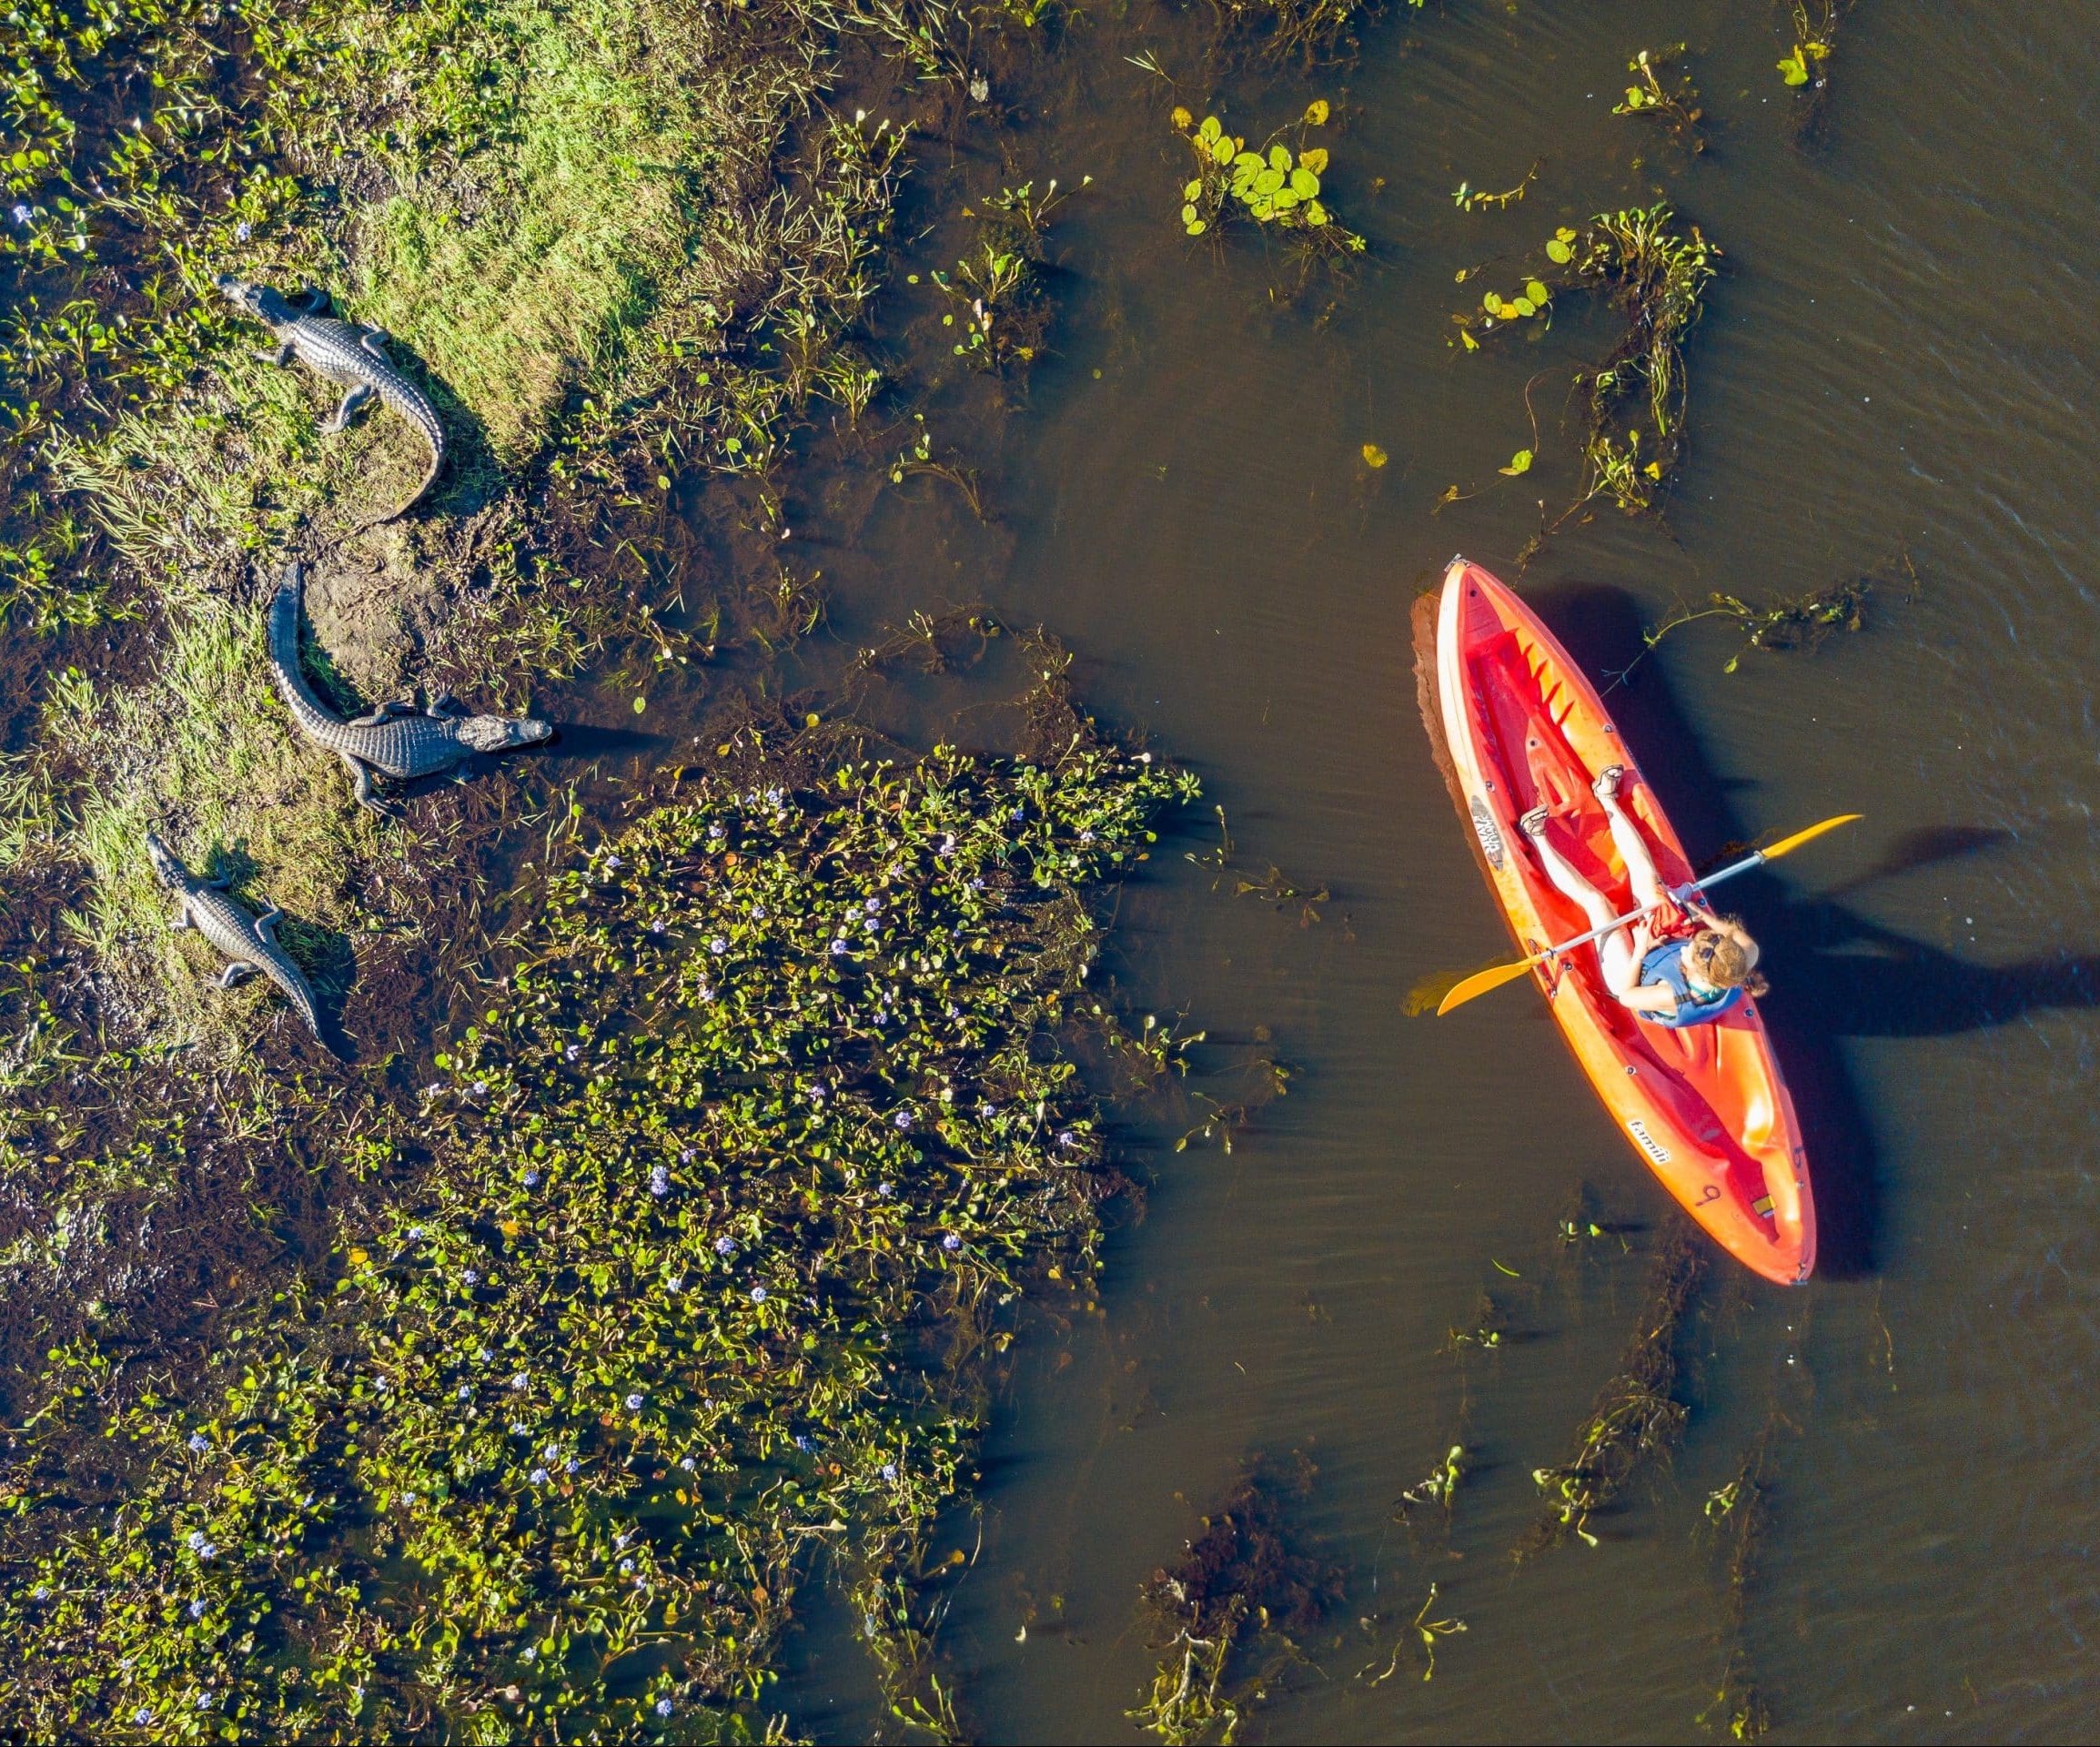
x=1533, y=823
x=1605, y=787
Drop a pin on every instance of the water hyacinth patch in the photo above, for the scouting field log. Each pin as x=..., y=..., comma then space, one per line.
x=616, y=1522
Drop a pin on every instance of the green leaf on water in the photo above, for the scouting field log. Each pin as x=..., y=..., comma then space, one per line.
x=1304, y=183
x=1315, y=160
x=1524, y=306
x=639, y=705
x=1278, y=159
x=1315, y=214
x=1268, y=181
x=1317, y=113
x=1374, y=455
x=1197, y=226
x=1212, y=127
x=1794, y=68
x=1536, y=293
x=1223, y=151
x=1192, y=190
x=1188, y=215
x=1559, y=252
x=1520, y=462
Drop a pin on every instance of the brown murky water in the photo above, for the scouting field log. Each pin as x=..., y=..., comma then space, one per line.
x=1901, y=351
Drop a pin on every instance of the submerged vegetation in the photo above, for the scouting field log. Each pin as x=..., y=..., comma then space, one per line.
x=1222, y=1616
x=764, y=1114
x=1635, y=1418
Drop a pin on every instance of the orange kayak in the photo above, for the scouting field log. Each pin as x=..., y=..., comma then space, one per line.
x=1704, y=1105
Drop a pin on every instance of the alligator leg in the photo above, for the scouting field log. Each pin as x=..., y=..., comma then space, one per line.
x=281, y=355
x=265, y=924
x=373, y=341
x=361, y=777
x=462, y=771
x=392, y=707
x=181, y=920
x=235, y=971
x=442, y=707
x=313, y=300
x=354, y=398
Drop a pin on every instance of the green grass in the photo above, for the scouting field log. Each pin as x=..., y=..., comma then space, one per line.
x=204, y=753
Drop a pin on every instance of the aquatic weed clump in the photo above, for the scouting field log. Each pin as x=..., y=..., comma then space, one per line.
x=763, y=1118
x=1654, y=271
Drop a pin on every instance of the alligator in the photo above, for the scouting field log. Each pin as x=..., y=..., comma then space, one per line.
x=249, y=942
x=396, y=740
x=344, y=352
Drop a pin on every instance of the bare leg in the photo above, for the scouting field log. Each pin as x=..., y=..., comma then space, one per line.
x=1633, y=849
x=1615, y=951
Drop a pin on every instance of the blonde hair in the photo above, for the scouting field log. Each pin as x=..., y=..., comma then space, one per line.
x=1722, y=962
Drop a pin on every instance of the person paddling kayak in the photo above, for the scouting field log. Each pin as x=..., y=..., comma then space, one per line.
x=1669, y=979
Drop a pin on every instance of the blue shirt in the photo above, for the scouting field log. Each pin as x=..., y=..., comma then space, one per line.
x=1665, y=964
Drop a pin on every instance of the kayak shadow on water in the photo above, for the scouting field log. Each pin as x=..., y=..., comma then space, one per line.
x=1834, y=974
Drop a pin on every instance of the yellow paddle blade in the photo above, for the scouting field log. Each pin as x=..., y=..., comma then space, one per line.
x=1785, y=845
x=1480, y=982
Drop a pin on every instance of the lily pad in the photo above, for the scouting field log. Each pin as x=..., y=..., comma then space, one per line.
x=1304, y=183
x=1317, y=113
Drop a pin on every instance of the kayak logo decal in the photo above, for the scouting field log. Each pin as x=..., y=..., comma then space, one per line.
x=1489, y=833
x=1654, y=1148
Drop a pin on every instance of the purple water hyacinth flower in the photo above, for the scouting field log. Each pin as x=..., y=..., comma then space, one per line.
x=613, y=864
x=243, y=231
x=884, y=1191
x=1087, y=836
x=435, y=1087
x=143, y=1717
x=758, y=1295
x=664, y=1707
x=872, y=905
x=951, y=1243
x=627, y=1568
x=199, y=1443
x=947, y=843
x=519, y=1380
x=725, y=1245
x=987, y=1110
x=803, y=1442
x=465, y=1392
x=570, y=1052
x=483, y=1354
x=976, y=881
x=707, y=990
x=537, y=1476
x=634, y=1402
x=619, y=1542
x=660, y=1181
x=531, y=1180
x=415, y=1234
x=472, y=1276
x=551, y=1451
x=21, y=213
x=675, y=1284
x=1065, y=1138
x=903, y=1119
x=481, y=1088
x=658, y=925
x=758, y=912
x=839, y=947
x=570, y=1466
x=687, y=1463
x=196, y=1608
x=716, y=833
x=42, y=1593
x=718, y=946
x=407, y=1499
x=685, y=1155
x=889, y=1470
x=519, y=1429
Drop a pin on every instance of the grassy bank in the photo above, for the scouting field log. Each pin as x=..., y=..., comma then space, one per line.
x=582, y=227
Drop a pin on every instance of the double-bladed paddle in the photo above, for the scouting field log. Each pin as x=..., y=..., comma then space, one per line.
x=1480, y=982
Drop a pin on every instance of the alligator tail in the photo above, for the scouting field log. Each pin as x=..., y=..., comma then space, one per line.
x=312, y=716
x=424, y=417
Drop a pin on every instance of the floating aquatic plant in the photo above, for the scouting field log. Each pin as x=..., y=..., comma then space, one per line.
x=760, y=1109
x=1273, y=184
x=1792, y=621
x=1675, y=103
x=1654, y=271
